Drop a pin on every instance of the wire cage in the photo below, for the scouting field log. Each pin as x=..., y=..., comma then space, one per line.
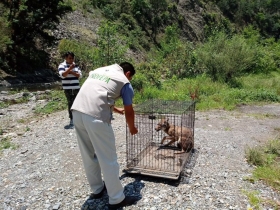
x=160, y=122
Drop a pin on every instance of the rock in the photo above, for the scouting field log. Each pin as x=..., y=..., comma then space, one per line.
x=47, y=206
x=20, y=133
x=9, y=135
x=33, y=98
x=3, y=111
x=56, y=206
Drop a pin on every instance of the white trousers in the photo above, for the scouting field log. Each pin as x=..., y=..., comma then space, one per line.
x=97, y=146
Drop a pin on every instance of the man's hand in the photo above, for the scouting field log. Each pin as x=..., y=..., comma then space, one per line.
x=133, y=131
x=69, y=70
x=76, y=74
x=72, y=66
x=119, y=110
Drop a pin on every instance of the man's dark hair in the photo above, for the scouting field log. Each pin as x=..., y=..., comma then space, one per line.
x=127, y=67
x=69, y=53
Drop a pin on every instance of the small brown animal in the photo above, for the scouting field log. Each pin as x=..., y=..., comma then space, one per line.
x=183, y=135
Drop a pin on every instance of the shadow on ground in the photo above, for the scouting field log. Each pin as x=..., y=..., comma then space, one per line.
x=131, y=189
x=184, y=177
x=134, y=188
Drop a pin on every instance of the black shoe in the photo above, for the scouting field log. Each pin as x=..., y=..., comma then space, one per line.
x=128, y=200
x=98, y=195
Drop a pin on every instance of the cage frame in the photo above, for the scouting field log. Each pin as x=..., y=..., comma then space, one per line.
x=151, y=109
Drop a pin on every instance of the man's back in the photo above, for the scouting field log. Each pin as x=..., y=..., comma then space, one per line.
x=99, y=92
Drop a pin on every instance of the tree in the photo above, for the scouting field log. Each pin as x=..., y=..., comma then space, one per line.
x=263, y=14
x=5, y=32
x=157, y=8
x=110, y=46
x=31, y=23
x=32, y=18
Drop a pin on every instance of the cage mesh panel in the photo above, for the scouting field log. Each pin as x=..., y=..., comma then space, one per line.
x=145, y=153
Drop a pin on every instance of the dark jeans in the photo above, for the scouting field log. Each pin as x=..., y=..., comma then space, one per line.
x=70, y=95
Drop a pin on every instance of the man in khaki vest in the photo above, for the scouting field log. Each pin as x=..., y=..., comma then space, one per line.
x=92, y=114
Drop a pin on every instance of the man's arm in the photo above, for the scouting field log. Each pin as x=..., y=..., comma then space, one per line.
x=119, y=110
x=76, y=74
x=129, y=116
x=67, y=71
x=127, y=95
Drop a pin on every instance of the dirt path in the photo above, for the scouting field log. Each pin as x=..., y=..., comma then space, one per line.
x=46, y=172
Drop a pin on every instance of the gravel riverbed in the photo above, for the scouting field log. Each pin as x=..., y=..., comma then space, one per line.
x=45, y=170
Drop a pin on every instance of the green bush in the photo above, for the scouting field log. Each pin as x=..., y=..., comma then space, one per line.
x=152, y=72
x=255, y=156
x=139, y=81
x=273, y=147
x=225, y=58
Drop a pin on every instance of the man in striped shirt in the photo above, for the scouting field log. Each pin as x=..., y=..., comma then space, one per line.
x=70, y=75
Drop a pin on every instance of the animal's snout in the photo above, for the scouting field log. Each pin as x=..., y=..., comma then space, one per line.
x=162, y=124
x=157, y=128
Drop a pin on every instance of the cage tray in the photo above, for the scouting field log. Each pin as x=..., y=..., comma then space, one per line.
x=149, y=160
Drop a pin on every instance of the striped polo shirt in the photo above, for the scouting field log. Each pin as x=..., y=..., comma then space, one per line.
x=70, y=81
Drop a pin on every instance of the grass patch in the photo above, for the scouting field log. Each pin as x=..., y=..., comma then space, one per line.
x=5, y=143
x=277, y=129
x=57, y=102
x=211, y=95
x=263, y=116
x=21, y=100
x=207, y=94
x=261, y=81
x=270, y=175
x=4, y=104
x=21, y=121
x=254, y=200
x=50, y=107
x=267, y=160
x=7, y=103
x=17, y=90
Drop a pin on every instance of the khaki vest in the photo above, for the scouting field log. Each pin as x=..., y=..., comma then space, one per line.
x=98, y=93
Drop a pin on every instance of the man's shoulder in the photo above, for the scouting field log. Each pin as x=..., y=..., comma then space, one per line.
x=62, y=64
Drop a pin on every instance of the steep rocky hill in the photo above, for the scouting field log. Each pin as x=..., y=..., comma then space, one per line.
x=82, y=25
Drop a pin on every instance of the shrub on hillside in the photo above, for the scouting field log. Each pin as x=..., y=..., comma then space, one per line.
x=224, y=58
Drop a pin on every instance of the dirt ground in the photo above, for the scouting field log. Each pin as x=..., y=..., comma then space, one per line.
x=46, y=172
